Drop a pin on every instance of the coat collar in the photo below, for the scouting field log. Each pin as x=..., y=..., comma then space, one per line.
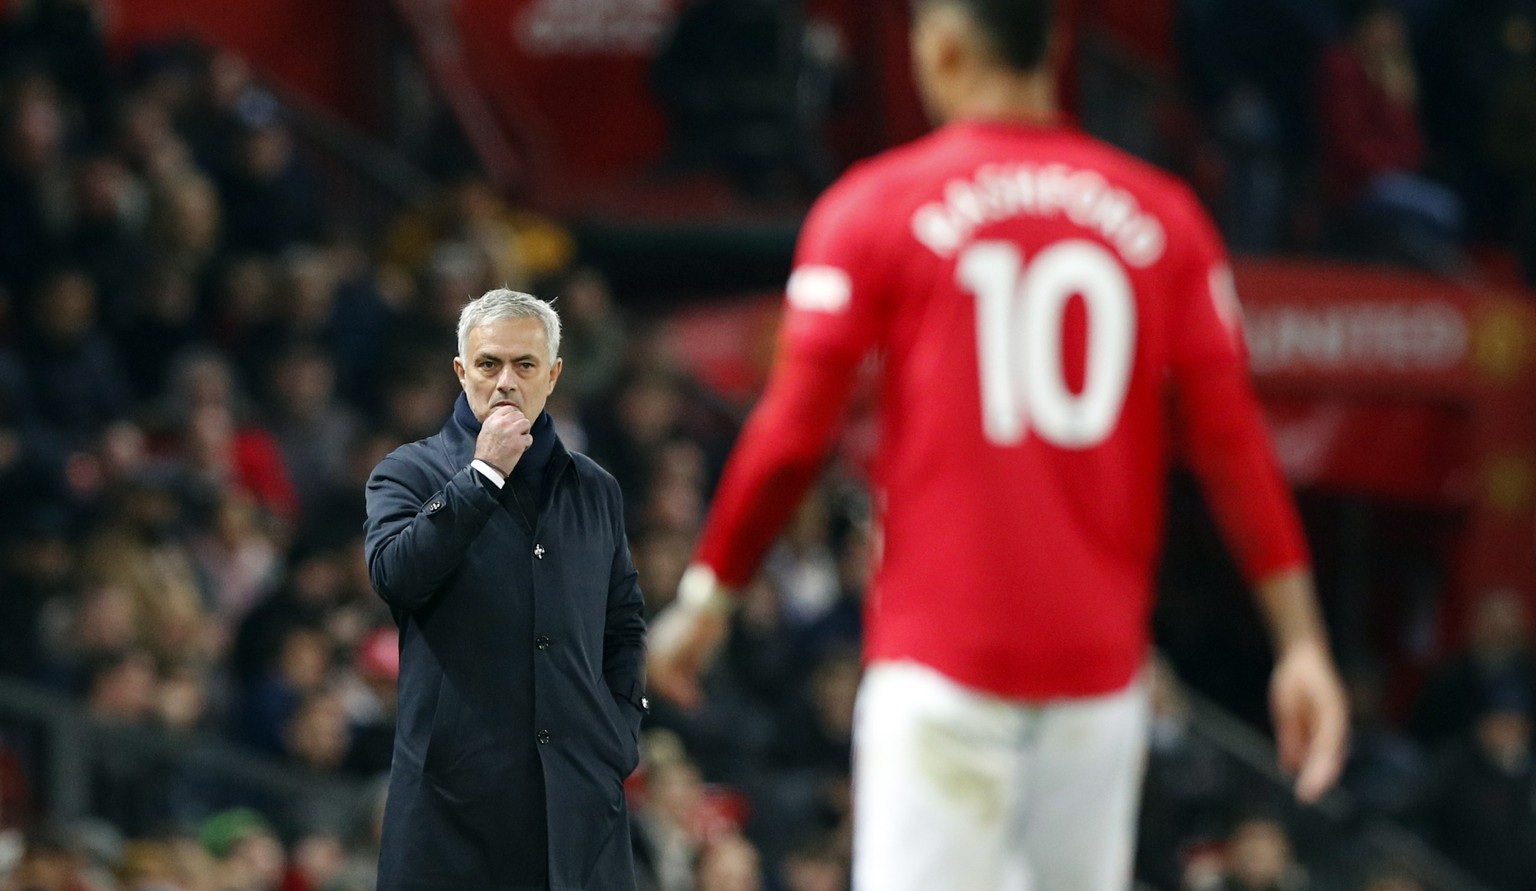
x=547, y=452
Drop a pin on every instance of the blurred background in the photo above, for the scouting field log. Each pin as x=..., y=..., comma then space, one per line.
x=235, y=237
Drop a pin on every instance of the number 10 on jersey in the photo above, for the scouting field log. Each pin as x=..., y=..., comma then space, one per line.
x=1020, y=313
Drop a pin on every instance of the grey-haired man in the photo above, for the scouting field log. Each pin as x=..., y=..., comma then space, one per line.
x=503, y=557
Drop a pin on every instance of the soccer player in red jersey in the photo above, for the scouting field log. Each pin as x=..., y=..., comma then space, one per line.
x=1052, y=320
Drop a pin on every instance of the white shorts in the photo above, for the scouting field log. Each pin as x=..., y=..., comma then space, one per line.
x=958, y=790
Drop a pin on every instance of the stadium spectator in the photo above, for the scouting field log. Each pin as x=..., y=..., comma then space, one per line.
x=164, y=325
x=131, y=796
x=37, y=570
x=47, y=863
x=841, y=626
x=121, y=687
x=746, y=87
x=186, y=218
x=1390, y=879
x=1476, y=802
x=1511, y=144
x=760, y=652
x=1384, y=761
x=182, y=698
x=646, y=415
x=1259, y=857
x=675, y=487
x=245, y=849
x=820, y=863
x=34, y=182
x=730, y=863
x=802, y=565
x=77, y=384
x=364, y=307
x=1239, y=60
x=272, y=698
x=312, y=426
x=16, y=805
x=413, y=396
x=1498, y=657
x=317, y=734
x=1470, y=52
x=65, y=38
x=339, y=503
x=667, y=841
x=319, y=863
x=108, y=235
x=661, y=556
x=138, y=548
x=816, y=736
x=593, y=336
x=270, y=197
x=1373, y=150
x=1188, y=789
x=237, y=559
x=373, y=703
x=516, y=246
x=80, y=627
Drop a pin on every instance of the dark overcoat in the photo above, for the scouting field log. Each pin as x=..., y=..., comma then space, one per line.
x=521, y=673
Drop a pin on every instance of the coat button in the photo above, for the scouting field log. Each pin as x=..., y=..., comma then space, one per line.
x=542, y=736
x=542, y=641
x=435, y=506
x=538, y=551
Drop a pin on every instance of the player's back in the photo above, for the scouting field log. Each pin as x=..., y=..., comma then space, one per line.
x=1030, y=291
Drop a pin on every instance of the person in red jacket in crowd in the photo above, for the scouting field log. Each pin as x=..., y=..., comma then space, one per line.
x=1373, y=147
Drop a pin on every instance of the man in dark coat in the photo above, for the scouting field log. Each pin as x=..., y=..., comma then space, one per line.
x=503, y=557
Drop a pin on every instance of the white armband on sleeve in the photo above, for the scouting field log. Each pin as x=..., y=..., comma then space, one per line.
x=700, y=590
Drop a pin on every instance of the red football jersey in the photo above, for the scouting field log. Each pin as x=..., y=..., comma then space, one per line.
x=1052, y=318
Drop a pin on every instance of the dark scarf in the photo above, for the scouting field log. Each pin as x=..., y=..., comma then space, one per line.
x=528, y=475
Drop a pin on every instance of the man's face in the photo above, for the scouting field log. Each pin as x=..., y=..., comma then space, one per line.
x=507, y=362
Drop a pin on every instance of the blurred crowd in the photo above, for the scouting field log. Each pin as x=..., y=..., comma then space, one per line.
x=201, y=359
x=1388, y=131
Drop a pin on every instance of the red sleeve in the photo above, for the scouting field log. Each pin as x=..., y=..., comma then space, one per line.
x=776, y=459
x=1219, y=421
x=836, y=302
x=834, y=313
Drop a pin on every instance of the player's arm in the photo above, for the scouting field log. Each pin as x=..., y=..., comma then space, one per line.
x=1221, y=428
x=834, y=315
x=1306, y=698
x=780, y=451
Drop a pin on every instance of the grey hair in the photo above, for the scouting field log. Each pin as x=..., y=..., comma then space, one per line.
x=504, y=303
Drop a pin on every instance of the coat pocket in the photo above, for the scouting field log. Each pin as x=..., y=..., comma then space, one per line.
x=451, y=740
x=627, y=740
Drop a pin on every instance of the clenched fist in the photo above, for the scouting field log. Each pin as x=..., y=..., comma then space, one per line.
x=503, y=438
